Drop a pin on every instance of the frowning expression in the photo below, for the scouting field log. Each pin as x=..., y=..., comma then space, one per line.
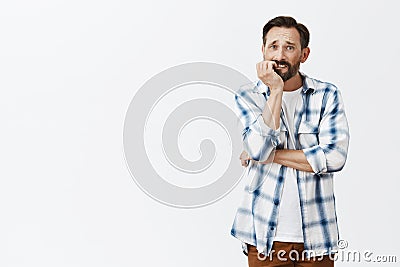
x=283, y=46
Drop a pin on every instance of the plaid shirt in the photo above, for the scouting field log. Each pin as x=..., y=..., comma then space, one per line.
x=321, y=131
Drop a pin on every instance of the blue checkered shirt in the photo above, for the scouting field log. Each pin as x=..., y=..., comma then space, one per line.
x=321, y=131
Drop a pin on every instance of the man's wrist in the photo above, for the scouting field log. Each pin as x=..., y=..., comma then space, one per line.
x=276, y=91
x=277, y=152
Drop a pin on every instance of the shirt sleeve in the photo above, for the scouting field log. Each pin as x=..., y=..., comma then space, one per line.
x=331, y=152
x=259, y=140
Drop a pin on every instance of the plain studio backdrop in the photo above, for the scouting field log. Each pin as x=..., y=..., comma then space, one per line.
x=68, y=71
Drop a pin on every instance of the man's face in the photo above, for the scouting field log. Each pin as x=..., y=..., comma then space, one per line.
x=283, y=46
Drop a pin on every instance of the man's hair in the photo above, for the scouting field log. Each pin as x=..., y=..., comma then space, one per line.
x=288, y=22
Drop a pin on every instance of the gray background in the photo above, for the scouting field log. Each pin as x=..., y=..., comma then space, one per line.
x=68, y=71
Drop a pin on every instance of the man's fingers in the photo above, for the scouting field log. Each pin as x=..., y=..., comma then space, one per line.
x=260, y=68
x=244, y=155
x=265, y=67
x=271, y=65
x=244, y=158
x=244, y=163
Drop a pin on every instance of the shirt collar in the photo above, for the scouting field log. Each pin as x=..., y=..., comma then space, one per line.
x=308, y=84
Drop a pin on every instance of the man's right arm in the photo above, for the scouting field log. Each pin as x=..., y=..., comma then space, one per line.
x=261, y=124
x=272, y=110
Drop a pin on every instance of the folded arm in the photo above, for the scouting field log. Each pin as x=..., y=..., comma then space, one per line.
x=329, y=155
x=295, y=159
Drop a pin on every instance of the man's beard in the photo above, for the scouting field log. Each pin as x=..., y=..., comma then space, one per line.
x=291, y=70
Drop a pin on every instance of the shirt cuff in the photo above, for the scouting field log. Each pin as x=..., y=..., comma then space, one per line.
x=316, y=158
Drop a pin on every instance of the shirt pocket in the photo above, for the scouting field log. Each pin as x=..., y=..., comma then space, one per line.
x=308, y=134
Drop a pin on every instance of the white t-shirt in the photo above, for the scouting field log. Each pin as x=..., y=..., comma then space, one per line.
x=289, y=228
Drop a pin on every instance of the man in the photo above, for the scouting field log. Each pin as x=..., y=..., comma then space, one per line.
x=295, y=137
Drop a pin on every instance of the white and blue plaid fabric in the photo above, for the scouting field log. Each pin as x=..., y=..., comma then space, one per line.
x=321, y=131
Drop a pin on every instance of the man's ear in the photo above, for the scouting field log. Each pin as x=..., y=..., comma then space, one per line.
x=304, y=54
x=262, y=48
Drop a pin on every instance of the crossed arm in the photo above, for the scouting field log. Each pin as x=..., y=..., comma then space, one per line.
x=261, y=133
x=261, y=139
x=271, y=117
x=295, y=159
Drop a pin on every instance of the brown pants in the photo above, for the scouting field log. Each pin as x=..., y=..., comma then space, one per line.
x=286, y=254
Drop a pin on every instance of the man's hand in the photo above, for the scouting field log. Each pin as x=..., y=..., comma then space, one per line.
x=267, y=74
x=244, y=158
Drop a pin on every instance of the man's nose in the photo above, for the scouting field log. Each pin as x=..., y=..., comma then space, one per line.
x=279, y=54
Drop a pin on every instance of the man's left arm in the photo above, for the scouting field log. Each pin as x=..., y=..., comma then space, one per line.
x=295, y=159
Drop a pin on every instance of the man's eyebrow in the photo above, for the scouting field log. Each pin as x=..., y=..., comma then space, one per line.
x=273, y=42
x=287, y=42
x=290, y=43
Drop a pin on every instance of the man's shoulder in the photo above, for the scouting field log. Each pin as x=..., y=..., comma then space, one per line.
x=249, y=88
x=249, y=92
x=320, y=86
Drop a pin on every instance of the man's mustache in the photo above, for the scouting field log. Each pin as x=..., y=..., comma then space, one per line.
x=282, y=62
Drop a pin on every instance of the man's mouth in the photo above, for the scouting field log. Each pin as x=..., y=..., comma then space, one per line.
x=280, y=65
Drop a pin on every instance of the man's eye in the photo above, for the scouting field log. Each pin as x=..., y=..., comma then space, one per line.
x=272, y=46
x=290, y=48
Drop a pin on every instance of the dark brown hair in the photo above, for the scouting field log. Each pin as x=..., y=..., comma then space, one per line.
x=288, y=22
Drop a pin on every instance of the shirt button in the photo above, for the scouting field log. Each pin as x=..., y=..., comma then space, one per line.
x=272, y=228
